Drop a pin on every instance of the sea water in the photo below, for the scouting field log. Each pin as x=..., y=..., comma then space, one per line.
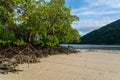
x=80, y=46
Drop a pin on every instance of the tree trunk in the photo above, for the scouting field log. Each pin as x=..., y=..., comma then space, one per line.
x=29, y=37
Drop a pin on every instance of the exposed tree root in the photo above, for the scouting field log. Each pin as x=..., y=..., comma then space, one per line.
x=31, y=54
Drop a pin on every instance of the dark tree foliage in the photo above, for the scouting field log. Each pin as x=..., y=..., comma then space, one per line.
x=30, y=29
x=109, y=34
x=36, y=22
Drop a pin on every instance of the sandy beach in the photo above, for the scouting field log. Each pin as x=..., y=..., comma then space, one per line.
x=86, y=65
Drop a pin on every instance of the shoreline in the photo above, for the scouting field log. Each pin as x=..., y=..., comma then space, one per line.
x=86, y=65
x=93, y=46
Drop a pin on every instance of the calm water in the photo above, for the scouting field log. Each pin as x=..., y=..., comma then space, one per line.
x=79, y=46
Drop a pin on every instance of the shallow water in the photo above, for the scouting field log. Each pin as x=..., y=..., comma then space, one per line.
x=80, y=46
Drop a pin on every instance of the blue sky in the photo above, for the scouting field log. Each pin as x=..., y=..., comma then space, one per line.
x=93, y=14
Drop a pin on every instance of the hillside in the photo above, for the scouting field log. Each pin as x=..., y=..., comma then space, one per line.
x=109, y=34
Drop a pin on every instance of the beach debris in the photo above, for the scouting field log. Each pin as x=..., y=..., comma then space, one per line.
x=91, y=50
x=8, y=65
x=12, y=56
x=26, y=58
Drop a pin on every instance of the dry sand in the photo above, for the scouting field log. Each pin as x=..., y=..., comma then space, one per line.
x=87, y=65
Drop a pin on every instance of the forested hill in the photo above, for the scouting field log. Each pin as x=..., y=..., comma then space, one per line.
x=109, y=34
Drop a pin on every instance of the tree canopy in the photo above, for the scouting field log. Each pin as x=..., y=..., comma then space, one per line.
x=36, y=22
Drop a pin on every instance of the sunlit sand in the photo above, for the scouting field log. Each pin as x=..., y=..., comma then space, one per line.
x=86, y=65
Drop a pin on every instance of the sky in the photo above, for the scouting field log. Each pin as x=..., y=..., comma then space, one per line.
x=93, y=14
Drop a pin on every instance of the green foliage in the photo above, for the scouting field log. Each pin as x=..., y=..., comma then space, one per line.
x=20, y=42
x=37, y=22
x=109, y=34
x=6, y=37
x=75, y=36
x=51, y=40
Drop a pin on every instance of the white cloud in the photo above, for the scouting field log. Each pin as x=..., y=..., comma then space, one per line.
x=96, y=14
x=107, y=3
x=88, y=25
x=94, y=11
x=101, y=12
x=99, y=7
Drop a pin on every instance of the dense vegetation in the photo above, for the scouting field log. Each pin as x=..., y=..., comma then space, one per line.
x=36, y=22
x=35, y=28
x=109, y=34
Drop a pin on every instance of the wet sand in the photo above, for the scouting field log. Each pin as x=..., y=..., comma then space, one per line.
x=86, y=65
